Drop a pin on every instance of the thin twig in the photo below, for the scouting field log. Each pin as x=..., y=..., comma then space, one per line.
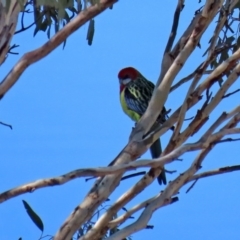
x=231, y=93
x=218, y=171
x=171, y=39
x=32, y=24
x=188, y=78
x=7, y=125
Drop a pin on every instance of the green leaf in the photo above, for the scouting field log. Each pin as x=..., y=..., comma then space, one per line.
x=213, y=64
x=229, y=40
x=65, y=41
x=49, y=31
x=219, y=42
x=79, y=5
x=90, y=33
x=45, y=25
x=61, y=13
x=220, y=81
x=66, y=16
x=224, y=56
x=49, y=3
x=56, y=25
x=36, y=30
x=35, y=218
x=53, y=14
x=38, y=18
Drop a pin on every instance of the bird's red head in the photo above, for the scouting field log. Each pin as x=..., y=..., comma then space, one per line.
x=127, y=75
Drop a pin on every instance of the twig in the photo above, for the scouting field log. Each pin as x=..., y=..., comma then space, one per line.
x=192, y=185
x=12, y=47
x=231, y=93
x=188, y=78
x=214, y=172
x=188, y=119
x=210, y=173
x=32, y=24
x=133, y=175
x=5, y=124
x=228, y=140
x=197, y=78
x=184, y=106
x=194, y=126
x=171, y=39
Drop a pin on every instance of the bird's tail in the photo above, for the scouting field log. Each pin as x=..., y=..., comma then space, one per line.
x=156, y=151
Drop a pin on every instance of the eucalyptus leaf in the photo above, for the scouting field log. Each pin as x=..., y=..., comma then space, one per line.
x=35, y=218
x=90, y=33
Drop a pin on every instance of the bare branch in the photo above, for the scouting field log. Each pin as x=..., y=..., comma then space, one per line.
x=145, y=133
x=211, y=173
x=34, y=56
x=188, y=78
x=8, y=22
x=202, y=115
x=161, y=92
x=214, y=172
x=133, y=175
x=148, y=178
x=121, y=219
x=171, y=189
x=207, y=8
x=11, y=48
x=203, y=142
x=231, y=93
x=171, y=39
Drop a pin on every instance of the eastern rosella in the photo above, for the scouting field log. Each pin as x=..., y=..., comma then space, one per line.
x=135, y=94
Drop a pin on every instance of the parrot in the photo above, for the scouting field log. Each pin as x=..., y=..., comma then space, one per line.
x=135, y=94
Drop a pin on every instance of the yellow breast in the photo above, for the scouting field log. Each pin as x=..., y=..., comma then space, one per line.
x=133, y=115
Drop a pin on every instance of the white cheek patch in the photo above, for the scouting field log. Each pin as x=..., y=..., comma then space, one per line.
x=126, y=81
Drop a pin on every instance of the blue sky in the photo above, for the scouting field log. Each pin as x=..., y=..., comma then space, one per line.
x=66, y=114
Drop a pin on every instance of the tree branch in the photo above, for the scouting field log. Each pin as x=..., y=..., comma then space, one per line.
x=161, y=92
x=188, y=78
x=121, y=219
x=147, y=179
x=201, y=143
x=36, y=55
x=214, y=172
x=8, y=23
x=172, y=189
x=171, y=39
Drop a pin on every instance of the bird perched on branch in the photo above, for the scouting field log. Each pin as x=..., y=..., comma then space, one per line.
x=135, y=94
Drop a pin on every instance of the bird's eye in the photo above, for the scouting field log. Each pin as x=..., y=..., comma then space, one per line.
x=126, y=76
